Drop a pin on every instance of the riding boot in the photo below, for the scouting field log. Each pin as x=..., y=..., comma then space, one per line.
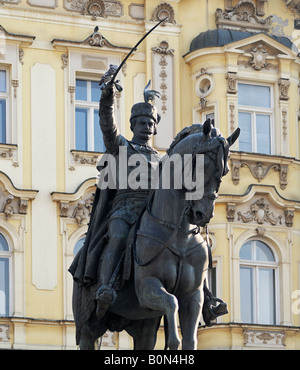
x=105, y=296
x=210, y=310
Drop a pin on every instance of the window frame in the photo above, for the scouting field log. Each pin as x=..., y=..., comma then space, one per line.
x=8, y=255
x=6, y=97
x=91, y=107
x=254, y=111
x=256, y=266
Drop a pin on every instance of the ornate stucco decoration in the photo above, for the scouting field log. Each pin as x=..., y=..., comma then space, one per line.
x=284, y=85
x=294, y=5
x=243, y=17
x=77, y=207
x=4, y=333
x=163, y=50
x=9, y=205
x=232, y=79
x=257, y=58
x=263, y=338
x=9, y=151
x=259, y=212
x=164, y=10
x=259, y=170
x=85, y=157
x=95, y=8
x=259, y=6
x=96, y=39
x=261, y=207
x=13, y=201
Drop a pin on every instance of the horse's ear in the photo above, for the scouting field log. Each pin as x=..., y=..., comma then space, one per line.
x=232, y=138
x=206, y=127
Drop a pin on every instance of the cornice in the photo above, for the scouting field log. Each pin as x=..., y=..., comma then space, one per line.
x=254, y=189
x=23, y=40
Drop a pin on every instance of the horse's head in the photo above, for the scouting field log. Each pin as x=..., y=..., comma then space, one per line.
x=207, y=140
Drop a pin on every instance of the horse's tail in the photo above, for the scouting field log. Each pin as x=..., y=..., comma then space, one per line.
x=166, y=332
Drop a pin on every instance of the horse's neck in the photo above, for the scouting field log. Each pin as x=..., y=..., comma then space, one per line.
x=167, y=206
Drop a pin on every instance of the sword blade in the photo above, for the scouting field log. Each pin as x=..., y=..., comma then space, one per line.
x=134, y=49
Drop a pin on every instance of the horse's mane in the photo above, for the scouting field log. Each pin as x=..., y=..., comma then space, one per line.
x=189, y=130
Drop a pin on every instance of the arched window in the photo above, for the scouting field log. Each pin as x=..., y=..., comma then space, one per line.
x=78, y=246
x=4, y=276
x=258, y=268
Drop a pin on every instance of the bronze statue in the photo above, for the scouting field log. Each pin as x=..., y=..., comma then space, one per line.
x=113, y=290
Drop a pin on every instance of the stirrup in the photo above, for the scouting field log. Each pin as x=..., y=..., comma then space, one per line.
x=211, y=312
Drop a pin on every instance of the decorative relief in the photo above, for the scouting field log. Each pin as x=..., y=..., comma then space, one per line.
x=258, y=59
x=259, y=171
x=284, y=85
x=243, y=17
x=259, y=212
x=8, y=151
x=71, y=90
x=294, y=5
x=264, y=338
x=84, y=157
x=259, y=6
x=95, y=8
x=10, y=205
x=79, y=210
x=231, y=78
x=232, y=116
x=75, y=5
x=15, y=85
x=64, y=59
x=289, y=217
x=4, y=333
x=284, y=113
x=21, y=56
x=163, y=50
x=162, y=11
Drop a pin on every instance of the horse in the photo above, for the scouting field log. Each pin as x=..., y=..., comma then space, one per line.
x=170, y=257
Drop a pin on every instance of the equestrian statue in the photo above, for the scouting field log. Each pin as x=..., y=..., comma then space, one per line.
x=144, y=257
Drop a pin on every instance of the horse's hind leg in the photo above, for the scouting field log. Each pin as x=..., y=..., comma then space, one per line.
x=189, y=316
x=153, y=295
x=87, y=340
x=90, y=331
x=144, y=333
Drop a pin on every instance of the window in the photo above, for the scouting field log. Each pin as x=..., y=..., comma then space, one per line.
x=3, y=105
x=78, y=246
x=255, y=118
x=258, y=269
x=88, y=135
x=4, y=276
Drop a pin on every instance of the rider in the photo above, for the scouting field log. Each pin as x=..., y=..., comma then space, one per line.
x=127, y=203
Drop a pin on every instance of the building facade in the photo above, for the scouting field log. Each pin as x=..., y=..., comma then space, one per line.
x=234, y=61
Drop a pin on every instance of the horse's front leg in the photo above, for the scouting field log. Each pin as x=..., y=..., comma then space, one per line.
x=190, y=307
x=152, y=294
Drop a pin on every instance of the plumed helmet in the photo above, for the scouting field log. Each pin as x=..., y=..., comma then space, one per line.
x=145, y=108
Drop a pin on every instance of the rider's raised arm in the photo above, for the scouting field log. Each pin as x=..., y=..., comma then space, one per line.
x=110, y=131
